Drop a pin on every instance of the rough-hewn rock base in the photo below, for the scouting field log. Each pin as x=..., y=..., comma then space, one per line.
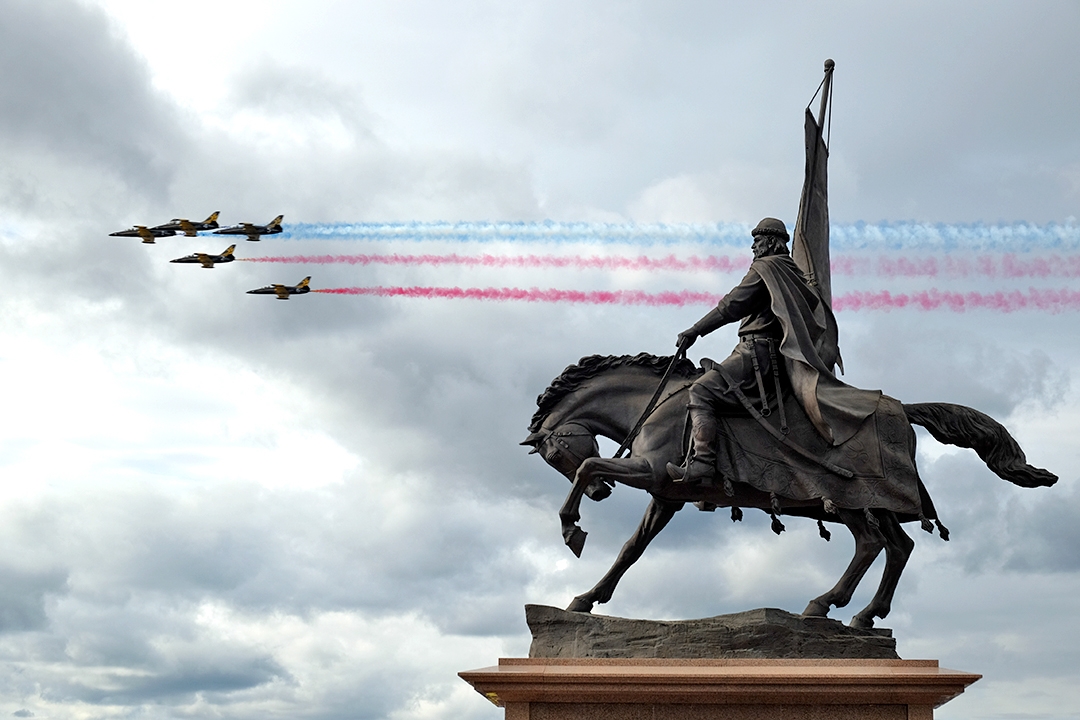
x=762, y=633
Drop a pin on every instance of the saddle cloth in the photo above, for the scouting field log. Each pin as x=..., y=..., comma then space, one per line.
x=880, y=455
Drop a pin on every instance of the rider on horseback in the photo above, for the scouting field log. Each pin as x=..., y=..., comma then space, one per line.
x=783, y=320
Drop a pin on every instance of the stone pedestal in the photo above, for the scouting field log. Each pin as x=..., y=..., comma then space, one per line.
x=703, y=689
x=762, y=633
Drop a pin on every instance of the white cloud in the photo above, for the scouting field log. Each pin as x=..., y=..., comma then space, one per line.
x=744, y=193
x=215, y=503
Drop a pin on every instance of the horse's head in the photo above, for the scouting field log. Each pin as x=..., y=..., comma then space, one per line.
x=565, y=448
x=600, y=395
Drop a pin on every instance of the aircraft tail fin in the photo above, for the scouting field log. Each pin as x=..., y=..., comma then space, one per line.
x=303, y=283
x=276, y=221
x=228, y=251
x=212, y=220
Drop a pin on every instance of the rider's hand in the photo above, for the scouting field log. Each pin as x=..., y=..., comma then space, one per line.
x=686, y=338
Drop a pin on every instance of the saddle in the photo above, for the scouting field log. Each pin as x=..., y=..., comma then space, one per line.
x=874, y=468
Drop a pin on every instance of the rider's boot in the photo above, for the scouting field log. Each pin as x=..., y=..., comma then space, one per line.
x=701, y=465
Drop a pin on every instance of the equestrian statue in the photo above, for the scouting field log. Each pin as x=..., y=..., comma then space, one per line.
x=769, y=427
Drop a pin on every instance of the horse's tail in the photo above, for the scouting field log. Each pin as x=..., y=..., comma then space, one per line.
x=966, y=427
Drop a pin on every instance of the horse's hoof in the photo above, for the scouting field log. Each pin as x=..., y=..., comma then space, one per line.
x=862, y=622
x=816, y=608
x=575, y=539
x=597, y=490
x=579, y=605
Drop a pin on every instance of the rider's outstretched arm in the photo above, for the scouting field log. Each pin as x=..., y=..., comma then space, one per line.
x=745, y=298
x=704, y=326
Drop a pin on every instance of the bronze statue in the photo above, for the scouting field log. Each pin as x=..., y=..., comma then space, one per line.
x=772, y=422
x=879, y=487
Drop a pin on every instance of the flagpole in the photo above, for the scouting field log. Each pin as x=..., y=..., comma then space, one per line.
x=826, y=88
x=810, y=243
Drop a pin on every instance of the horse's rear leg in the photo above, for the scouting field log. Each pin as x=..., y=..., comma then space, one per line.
x=657, y=516
x=898, y=547
x=868, y=545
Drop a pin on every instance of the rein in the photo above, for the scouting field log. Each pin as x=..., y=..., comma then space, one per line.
x=679, y=354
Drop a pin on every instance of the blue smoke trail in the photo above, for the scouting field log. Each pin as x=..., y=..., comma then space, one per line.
x=931, y=237
x=942, y=237
x=546, y=231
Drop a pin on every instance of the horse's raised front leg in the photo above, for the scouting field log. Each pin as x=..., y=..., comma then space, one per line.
x=868, y=545
x=631, y=471
x=656, y=518
x=898, y=547
x=590, y=471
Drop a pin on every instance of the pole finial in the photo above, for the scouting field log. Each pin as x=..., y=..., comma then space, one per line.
x=829, y=65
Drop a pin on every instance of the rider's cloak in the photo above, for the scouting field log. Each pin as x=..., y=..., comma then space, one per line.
x=809, y=347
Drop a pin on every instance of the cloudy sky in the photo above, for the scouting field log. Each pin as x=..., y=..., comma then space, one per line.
x=219, y=505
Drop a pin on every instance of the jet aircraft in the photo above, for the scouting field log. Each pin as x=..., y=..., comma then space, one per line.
x=190, y=229
x=253, y=231
x=146, y=233
x=284, y=291
x=207, y=259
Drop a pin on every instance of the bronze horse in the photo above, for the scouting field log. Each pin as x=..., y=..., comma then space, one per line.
x=605, y=396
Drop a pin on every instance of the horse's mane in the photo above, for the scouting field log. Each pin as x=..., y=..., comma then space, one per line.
x=589, y=367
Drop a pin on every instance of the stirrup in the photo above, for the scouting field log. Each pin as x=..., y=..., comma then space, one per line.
x=685, y=474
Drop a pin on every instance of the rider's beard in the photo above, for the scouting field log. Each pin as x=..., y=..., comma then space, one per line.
x=770, y=248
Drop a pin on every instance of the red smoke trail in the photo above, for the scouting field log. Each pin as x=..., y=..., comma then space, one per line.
x=952, y=265
x=1053, y=301
x=958, y=265
x=589, y=297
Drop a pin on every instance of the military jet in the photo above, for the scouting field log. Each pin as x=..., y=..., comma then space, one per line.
x=190, y=229
x=146, y=233
x=253, y=231
x=284, y=291
x=207, y=259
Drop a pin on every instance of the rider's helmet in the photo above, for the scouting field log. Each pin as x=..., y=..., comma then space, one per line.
x=771, y=227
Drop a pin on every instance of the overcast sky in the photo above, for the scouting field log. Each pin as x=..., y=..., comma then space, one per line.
x=220, y=505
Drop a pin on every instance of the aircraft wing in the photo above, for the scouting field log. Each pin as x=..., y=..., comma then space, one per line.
x=188, y=228
x=206, y=260
x=282, y=292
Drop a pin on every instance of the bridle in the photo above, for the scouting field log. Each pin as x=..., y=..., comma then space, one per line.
x=558, y=436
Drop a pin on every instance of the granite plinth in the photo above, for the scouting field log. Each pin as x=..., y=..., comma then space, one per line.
x=762, y=633
x=733, y=689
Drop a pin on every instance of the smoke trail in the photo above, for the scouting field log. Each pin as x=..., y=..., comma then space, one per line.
x=1053, y=301
x=547, y=231
x=939, y=237
x=1008, y=266
x=711, y=263
x=589, y=297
